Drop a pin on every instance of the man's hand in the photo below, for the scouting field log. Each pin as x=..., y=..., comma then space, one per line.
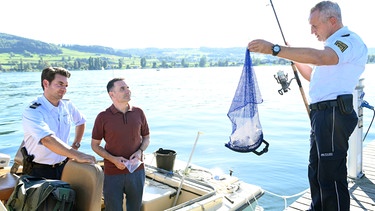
x=119, y=162
x=137, y=154
x=260, y=46
x=85, y=158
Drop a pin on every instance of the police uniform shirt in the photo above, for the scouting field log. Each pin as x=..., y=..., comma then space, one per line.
x=327, y=82
x=42, y=119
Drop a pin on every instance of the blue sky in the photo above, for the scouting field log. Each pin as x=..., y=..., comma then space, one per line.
x=173, y=23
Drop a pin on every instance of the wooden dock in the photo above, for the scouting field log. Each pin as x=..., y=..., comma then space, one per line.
x=362, y=191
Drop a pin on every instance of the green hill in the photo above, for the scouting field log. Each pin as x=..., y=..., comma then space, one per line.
x=23, y=54
x=19, y=45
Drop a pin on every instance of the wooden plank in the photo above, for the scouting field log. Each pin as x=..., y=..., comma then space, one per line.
x=362, y=191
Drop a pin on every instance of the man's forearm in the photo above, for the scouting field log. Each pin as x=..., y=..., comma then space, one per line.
x=80, y=129
x=57, y=146
x=95, y=146
x=145, y=143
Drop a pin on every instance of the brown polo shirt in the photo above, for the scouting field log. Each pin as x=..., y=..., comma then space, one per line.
x=122, y=134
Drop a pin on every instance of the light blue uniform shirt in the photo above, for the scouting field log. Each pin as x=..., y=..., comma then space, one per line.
x=327, y=82
x=39, y=121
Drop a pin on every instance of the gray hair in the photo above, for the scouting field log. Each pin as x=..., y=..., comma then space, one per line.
x=328, y=9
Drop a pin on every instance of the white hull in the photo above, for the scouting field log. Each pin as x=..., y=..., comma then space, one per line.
x=200, y=189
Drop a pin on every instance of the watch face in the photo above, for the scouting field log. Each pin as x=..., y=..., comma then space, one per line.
x=276, y=48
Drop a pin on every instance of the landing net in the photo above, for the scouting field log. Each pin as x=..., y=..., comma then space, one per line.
x=247, y=133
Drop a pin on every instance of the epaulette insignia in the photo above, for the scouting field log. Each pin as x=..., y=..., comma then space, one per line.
x=35, y=105
x=341, y=45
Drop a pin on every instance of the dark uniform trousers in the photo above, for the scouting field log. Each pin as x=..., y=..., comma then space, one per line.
x=327, y=171
x=48, y=171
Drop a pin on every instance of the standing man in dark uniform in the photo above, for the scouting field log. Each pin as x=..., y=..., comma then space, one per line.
x=333, y=73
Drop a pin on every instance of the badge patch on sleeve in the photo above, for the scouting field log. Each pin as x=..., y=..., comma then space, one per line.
x=341, y=45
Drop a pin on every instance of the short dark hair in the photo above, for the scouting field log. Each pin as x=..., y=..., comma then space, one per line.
x=111, y=83
x=50, y=72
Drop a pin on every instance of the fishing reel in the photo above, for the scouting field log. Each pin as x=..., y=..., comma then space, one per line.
x=282, y=79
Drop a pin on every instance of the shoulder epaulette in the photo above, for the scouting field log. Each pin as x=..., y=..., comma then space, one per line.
x=65, y=99
x=35, y=105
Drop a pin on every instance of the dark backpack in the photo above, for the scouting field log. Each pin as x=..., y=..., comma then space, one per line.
x=37, y=194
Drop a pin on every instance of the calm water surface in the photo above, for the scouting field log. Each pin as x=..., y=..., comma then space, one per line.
x=180, y=102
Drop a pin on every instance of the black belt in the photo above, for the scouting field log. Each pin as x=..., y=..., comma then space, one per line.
x=323, y=105
x=41, y=165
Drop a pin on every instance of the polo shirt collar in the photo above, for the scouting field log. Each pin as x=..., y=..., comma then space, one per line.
x=115, y=110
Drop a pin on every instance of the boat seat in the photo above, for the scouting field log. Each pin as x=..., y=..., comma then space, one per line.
x=157, y=196
x=87, y=181
x=7, y=183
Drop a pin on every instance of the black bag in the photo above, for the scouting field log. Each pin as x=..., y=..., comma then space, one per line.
x=345, y=103
x=37, y=194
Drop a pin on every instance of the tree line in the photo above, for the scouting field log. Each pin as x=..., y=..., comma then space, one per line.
x=24, y=55
x=147, y=62
x=105, y=63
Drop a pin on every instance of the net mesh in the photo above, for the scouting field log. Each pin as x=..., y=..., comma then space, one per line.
x=247, y=133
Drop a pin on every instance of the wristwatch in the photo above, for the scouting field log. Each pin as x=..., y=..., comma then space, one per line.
x=275, y=49
x=77, y=144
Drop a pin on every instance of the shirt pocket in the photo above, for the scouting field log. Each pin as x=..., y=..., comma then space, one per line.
x=65, y=117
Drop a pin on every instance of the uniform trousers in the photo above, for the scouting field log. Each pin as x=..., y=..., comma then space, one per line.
x=327, y=170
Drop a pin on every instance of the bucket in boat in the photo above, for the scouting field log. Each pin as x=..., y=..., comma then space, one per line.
x=165, y=159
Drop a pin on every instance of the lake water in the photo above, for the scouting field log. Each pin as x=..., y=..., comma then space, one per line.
x=180, y=102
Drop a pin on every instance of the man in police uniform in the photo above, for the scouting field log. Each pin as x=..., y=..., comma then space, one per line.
x=47, y=123
x=333, y=77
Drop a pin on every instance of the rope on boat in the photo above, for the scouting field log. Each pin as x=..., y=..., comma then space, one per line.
x=257, y=207
x=287, y=197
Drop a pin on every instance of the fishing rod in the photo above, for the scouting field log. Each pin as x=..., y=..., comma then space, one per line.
x=293, y=67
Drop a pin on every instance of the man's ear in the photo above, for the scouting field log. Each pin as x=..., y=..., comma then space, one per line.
x=333, y=20
x=45, y=83
x=110, y=94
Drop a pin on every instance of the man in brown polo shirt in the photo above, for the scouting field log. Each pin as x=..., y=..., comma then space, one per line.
x=126, y=134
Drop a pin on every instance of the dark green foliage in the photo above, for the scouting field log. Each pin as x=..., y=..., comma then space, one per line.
x=22, y=54
x=18, y=45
